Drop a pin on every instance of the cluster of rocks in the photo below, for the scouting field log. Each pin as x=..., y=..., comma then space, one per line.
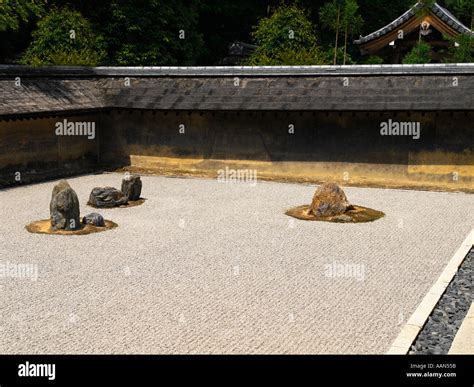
x=109, y=197
x=64, y=210
x=64, y=205
x=438, y=334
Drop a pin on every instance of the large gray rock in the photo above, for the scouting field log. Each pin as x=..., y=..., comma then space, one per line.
x=132, y=187
x=64, y=207
x=107, y=197
x=329, y=200
x=94, y=219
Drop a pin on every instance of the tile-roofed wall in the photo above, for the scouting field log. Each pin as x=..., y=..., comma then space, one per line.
x=293, y=94
x=45, y=95
x=380, y=88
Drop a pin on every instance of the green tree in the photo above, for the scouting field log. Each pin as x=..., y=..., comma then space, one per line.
x=341, y=56
x=153, y=32
x=12, y=12
x=291, y=57
x=374, y=60
x=351, y=22
x=463, y=9
x=421, y=53
x=286, y=37
x=426, y=6
x=330, y=16
x=64, y=37
x=461, y=49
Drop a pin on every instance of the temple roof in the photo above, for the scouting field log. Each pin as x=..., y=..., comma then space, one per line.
x=441, y=13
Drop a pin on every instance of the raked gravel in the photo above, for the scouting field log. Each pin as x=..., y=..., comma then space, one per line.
x=211, y=267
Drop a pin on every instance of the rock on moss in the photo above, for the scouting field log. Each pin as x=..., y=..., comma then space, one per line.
x=94, y=219
x=132, y=187
x=329, y=200
x=64, y=207
x=107, y=197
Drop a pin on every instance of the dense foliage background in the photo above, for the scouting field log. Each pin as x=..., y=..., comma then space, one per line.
x=181, y=32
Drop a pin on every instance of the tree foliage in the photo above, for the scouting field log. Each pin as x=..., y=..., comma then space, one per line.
x=13, y=12
x=147, y=32
x=374, y=60
x=419, y=54
x=463, y=9
x=426, y=6
x=286, y=36
x=153, y=32
x=341, y=16
x=461, y=49
x=351, y=22
x=64, y=37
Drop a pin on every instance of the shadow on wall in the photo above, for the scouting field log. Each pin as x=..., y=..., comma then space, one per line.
x=303, y=146
x=437, y=138
x=30, y=149
x=50, y=95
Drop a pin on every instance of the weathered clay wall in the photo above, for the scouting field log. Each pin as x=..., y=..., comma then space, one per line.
x=31, y=147
x=240, y=118
x=342, y=146
x=346, y=146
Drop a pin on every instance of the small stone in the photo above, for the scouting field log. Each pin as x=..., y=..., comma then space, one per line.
x=132, y=187
x=94, y=219
x=64, y=207
x=107, y=197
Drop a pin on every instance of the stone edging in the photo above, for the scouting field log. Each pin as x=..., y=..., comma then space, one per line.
x=415, y=323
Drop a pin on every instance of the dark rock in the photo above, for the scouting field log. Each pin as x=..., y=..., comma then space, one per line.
x=64, y=207
x=107, y=197
x=94, y=219
x=132, y=187
x=329, y=200
x=62, y=185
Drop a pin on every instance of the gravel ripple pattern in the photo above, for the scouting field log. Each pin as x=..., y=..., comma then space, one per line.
x=212, y=267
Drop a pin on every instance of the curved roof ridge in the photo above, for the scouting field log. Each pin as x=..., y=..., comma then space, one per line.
x=436, y=9
x=453, y=18
x=390, y=26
